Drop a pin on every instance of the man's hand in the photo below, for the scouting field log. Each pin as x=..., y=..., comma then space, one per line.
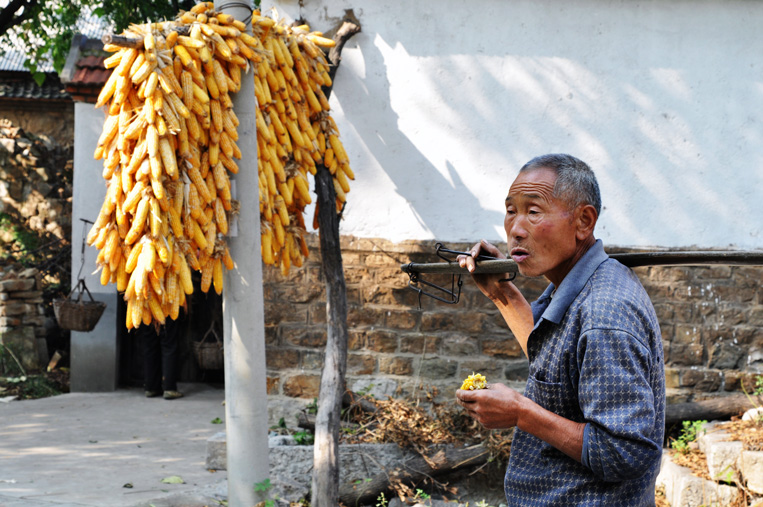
x=510, y=302
x=495, y=407
x=499, y=407
x=487, y=283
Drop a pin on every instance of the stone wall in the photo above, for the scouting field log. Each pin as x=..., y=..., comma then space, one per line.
x=711, y=320
x=35, y=184
x=52, y=119
x=22, y=320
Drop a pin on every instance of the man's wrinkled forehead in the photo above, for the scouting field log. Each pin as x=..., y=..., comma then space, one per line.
x=533, y=185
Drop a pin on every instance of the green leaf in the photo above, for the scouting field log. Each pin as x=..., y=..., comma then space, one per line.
x=173, y=479
x=216, y=420
x=263, y=486
x=39, y=78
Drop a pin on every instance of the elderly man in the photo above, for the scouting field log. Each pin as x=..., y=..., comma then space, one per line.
x=590, y=425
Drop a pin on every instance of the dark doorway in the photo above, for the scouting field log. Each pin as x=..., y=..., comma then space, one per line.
x=202, y=317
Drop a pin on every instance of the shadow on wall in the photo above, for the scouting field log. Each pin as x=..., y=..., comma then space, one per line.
x=632, y=97
x=438, y=202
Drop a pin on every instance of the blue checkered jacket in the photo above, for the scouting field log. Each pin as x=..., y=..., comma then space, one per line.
x=595, y=357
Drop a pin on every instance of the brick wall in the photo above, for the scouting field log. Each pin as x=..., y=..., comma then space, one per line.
x=22, y=321
x=711, y=319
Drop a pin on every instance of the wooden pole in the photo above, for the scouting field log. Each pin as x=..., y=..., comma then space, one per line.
x=325, y=484
x=325, y=481
x=246, y=415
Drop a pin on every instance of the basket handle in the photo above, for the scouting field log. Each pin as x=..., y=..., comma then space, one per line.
x=82, y=287
x=211, y=330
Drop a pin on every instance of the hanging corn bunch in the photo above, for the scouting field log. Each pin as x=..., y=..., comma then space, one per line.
x=295, y=131
x=169, y=143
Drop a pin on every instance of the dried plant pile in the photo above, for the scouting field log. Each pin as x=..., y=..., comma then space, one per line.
x=419, y=424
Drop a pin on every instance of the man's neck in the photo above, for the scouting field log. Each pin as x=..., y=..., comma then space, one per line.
x=562, y=270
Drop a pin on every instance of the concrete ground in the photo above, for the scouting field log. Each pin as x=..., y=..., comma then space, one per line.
x=111, y=449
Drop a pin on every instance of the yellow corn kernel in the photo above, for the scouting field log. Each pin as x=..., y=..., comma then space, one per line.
x=473, y=382
x=168, y=158
x=217, y=275
x=221, y=219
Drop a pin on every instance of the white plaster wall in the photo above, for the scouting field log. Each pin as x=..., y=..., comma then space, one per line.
x=440, y=102
x=94, y=354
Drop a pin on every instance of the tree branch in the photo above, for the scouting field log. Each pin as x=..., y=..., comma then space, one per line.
x=8, y=17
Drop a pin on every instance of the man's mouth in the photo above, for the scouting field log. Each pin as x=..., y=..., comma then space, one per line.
x=519, y=254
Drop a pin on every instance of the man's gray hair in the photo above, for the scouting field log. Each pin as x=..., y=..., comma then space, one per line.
x=575, y=182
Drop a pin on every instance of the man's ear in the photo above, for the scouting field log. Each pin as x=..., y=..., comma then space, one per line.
x=586, y=221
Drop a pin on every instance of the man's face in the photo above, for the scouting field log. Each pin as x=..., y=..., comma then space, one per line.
x=540, y=229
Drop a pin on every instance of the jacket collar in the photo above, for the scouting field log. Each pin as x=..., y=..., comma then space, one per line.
x=571, y=286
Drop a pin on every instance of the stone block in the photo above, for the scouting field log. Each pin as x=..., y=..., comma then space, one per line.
x=735, y=293
x=13, y=309
x=377, y=387
x=701, y=379
x=664, y=312
x=672, y=378
x=459, y=345
x=360, y=316
x=361, y=364
x=687, y=355
x=683, y=488
x=722, y=454
x=272, y=384
x=396, y=365
x=278, y=313
x=725, y=355
x=517, y=369
x=302, y=386
x=217, y=457
x=279, y=358
x=419, y=343
x=271, y=335
x=9, y=322
x=436, y=368
x=317, y=313
x=23, y=343
x=17, y=285
x=752, y=470
x=501, y=347
x=390, y=276
x=402, y=320
x=312, y=360
x=355, y=275
x=33, y=320
x=303, y=337
x=381, y=341
x=687, y=334
x=356, y=340
x=673, y=395
x=29, y=294
x=441, y=321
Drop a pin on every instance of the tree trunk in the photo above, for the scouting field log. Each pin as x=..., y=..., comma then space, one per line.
x=718, y=408
x=325, y=483
x=413, y=471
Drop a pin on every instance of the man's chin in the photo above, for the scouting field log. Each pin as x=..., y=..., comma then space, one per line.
x=528, y=271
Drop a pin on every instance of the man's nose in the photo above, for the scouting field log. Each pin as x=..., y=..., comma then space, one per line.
x=516, y=228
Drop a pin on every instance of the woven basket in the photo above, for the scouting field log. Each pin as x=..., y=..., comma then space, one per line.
x=78, y=315
x=209, y=354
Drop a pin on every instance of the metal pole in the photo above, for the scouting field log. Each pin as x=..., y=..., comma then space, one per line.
x=246, y=415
